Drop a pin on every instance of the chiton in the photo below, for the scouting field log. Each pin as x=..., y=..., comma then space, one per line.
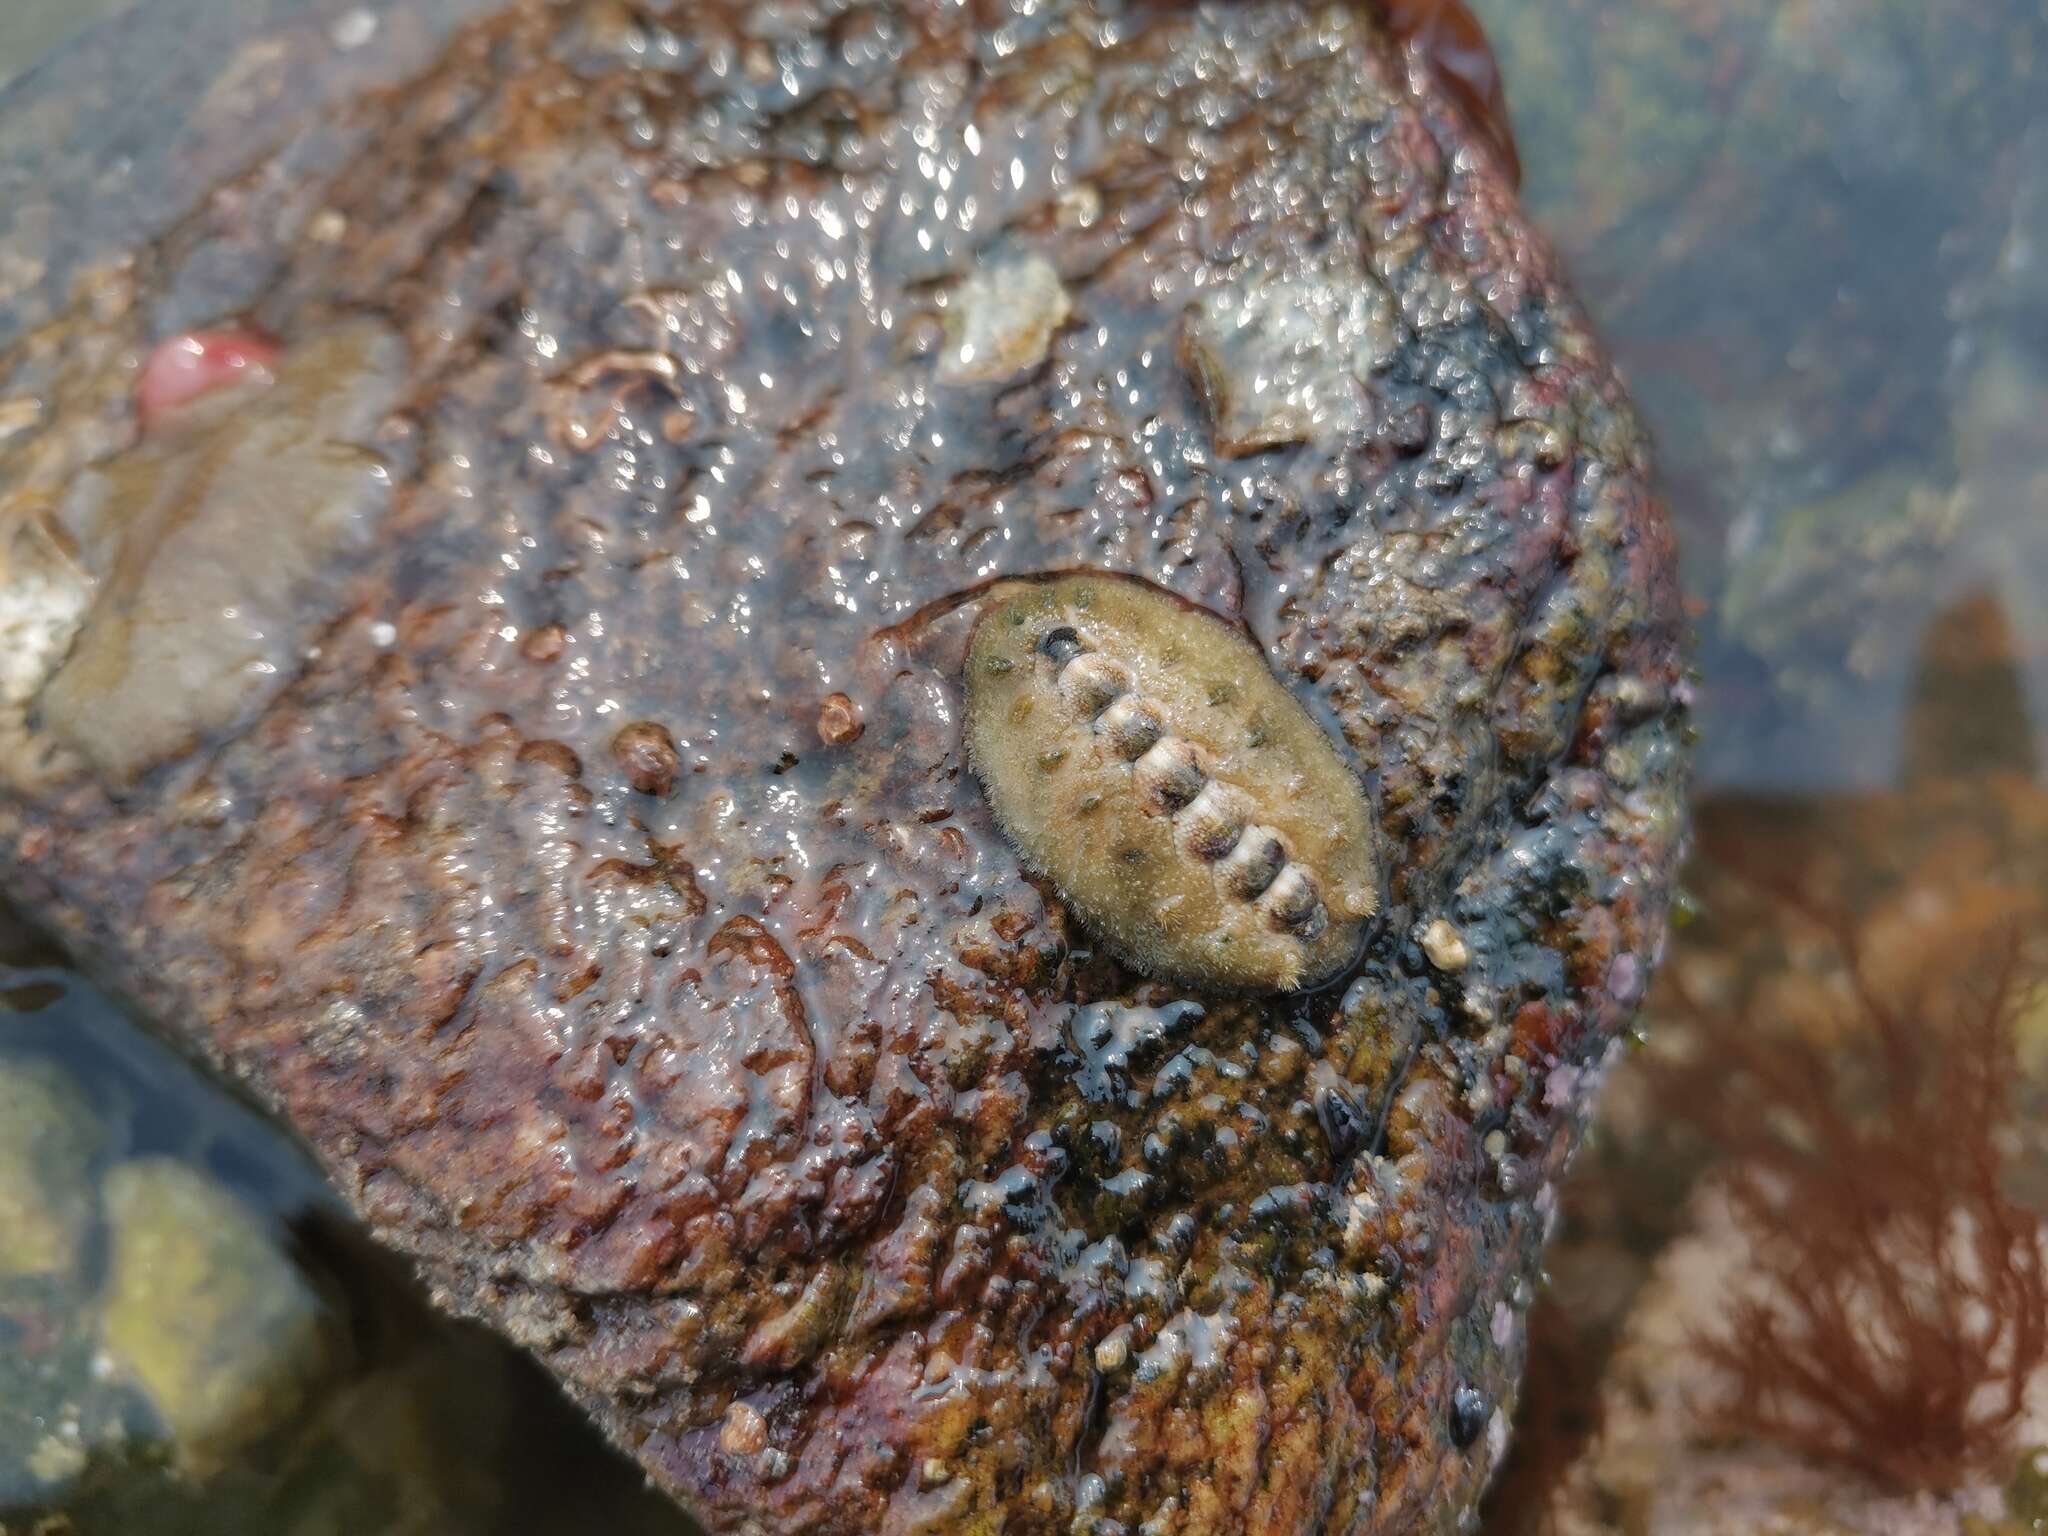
x=1141, y=754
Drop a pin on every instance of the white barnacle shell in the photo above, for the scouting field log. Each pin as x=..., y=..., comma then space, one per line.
x=1139, y=751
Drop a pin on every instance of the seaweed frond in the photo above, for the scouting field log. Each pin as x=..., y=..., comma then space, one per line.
x=1896, y=1306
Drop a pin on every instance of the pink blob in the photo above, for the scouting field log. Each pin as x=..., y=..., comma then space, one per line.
x=183, y=368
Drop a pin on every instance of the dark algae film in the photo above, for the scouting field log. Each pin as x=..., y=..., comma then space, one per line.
x=517, y=721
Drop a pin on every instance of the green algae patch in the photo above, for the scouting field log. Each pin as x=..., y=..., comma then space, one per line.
x=1141, y=754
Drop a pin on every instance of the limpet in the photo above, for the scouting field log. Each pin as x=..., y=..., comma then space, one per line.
x=1141, y=754
x=220, y=543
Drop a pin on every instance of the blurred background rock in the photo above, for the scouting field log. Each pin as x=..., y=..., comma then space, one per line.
x=30, y=28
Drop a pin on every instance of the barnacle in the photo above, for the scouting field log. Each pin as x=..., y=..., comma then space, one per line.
x=1139, y=752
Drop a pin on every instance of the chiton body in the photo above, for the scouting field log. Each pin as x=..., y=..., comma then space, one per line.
x=1139, y=751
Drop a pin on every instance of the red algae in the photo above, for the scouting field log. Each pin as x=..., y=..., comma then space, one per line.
x=186, y=367
x=1898, y=1305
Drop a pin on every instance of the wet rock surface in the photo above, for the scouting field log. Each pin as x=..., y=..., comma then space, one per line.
x=740, y=1071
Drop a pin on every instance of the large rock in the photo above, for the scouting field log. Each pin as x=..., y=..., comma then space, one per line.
x=594, y=877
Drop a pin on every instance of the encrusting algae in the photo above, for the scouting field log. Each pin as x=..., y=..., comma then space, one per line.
x=1140, y=752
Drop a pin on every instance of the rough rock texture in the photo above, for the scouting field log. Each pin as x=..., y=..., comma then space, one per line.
x=717, y=1049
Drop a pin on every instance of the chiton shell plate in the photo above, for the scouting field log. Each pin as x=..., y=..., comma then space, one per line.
x=1141, y=754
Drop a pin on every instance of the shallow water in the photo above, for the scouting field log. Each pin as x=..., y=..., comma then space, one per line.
x=1816, y=234
x=30, y=28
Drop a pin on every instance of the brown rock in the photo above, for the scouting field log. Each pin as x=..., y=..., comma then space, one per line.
x=792, y=1088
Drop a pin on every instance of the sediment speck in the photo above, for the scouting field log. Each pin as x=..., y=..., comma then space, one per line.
x=744, y=1432
x=839, y=721
x=646, y=754
x=1445, y=946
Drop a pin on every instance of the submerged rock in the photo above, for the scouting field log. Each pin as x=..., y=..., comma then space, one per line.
x=1834, y=587
x=49, y=1139
x=601, y=886
x=205, y=1312
x=422, y=1428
